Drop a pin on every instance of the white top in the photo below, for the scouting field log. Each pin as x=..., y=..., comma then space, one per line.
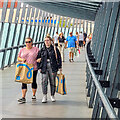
x=56, y=38
x=81, y=37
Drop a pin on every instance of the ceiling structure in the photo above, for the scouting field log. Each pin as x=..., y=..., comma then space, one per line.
x=70, y=8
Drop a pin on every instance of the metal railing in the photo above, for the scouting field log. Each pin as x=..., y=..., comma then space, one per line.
x=19, y=46
x=107, y=105
x=15, y=47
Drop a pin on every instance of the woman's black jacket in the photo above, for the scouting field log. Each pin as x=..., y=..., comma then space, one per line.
x=55, y=63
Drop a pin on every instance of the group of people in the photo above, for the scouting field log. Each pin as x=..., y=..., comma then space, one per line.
x=48, y=60
x=72, y=42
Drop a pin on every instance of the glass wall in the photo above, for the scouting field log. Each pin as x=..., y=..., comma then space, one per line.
x=24, y=22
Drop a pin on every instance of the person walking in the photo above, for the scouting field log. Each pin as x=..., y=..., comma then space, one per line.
x=81, y=38
x=61, y=44
x=71, y=40
x=84, y=36
x=49, y=65
x=29, y=54
x=56, y=39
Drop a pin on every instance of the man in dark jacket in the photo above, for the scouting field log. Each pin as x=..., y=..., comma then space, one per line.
x=50, y=62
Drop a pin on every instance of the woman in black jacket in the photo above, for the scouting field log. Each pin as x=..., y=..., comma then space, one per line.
x=50, y=62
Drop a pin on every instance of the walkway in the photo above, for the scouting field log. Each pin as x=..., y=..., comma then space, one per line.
x=72, y=105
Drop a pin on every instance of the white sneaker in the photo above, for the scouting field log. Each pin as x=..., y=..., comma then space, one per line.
x=53, y=98
x=44, y=100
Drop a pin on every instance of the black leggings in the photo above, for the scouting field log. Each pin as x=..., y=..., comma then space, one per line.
x=34, y=84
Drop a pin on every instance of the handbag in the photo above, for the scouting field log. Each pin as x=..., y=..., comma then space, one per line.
x=61, y=84
x=24, y=73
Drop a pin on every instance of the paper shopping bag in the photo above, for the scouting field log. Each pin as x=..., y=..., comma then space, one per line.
x=61, y=84
x=24, y=73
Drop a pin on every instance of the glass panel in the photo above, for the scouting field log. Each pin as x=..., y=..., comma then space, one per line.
x=25, y=15
x=92, y=27
x=13, y=56
x=0, y=26
x=31, y=32
x=55, y=30
x=85, y=23
x=70, y=29
x=28, y=30
x=51, y=31
x=4, y=35
x=20, y=15
x=45, y=33
x=63, y=29
x=10, y=39
x=1, y=56
x=74, y=32
x=42, y=34
x=17, y=35
x=22, y=34
x=36, y=30
x=38, y=34
x=7, y=57
x=88, y=28
x=66, y=32
x=59, y=30
x=14, y=14
x=7, y=15
x=0, y=14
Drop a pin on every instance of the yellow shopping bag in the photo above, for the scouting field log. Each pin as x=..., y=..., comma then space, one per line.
x=24, y=73
x=61, y=84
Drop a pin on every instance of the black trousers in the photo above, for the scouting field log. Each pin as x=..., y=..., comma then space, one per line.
x=34, y=84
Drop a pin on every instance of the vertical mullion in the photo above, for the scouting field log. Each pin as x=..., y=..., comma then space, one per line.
x=38, y=27
x=51, y=25
x=8, y=33
x=69, y=26
x=90, y=27
x=4, y=9
x=73, y=25
x=54, y=26
x=34, y=23
x=65, y=25
x=23, y=14
x=41, y=25
x=87, y=27
x=15, y=32
x=83, y=25
x=62, y=23
x=26, y=22
x=31, y=19
x=79, y=25
x=76, y=25
x=47, y=22
x=44, y=26
x=58, y=23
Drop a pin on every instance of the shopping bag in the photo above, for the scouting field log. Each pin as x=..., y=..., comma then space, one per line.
x=78, y=52
x=24, y=73
x=61, y=84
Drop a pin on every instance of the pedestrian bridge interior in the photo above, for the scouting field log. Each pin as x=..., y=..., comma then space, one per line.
x=93, y=83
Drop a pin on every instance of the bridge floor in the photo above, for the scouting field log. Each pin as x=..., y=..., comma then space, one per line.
x=72, y=105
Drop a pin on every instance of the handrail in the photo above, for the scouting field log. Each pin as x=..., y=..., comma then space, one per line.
x=15, y=47
x=109, y=109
